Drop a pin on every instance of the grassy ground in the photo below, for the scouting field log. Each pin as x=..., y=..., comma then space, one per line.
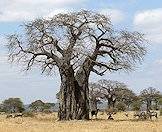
x=49, y=123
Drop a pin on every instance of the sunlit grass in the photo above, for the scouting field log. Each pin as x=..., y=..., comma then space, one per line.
x=49, y=123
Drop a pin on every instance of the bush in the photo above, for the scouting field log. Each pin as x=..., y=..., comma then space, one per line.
x=121, y=106
x=28, y=114
x=47, y=111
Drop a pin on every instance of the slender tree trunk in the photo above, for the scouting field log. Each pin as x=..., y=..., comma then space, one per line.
x=156, y=104
x=148, y=105
x=93, y=104
x=109, y=103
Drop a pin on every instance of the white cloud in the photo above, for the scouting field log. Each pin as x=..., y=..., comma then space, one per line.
x=20, y=10
x=115, y=14
x=3, y=55
x=150, y=22
x=16, y=16
x=132, y=1
x=51, y=14
x=2, y=39
x=158, y=62
x=3, y=59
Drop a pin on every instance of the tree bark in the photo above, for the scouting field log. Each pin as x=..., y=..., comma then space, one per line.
x=149, y=105
x=93, y=104
x=82, y=77
x=74, y=103
x=110, y=103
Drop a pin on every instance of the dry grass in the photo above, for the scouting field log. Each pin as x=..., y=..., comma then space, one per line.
x=49, y=123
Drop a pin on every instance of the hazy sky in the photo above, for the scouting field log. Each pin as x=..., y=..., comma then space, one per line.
x=141, y=15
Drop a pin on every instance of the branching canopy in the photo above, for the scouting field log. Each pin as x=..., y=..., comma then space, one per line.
x=73, y=38
x=112, y=89
x=150, y=94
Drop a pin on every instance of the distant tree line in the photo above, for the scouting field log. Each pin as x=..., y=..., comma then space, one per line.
x=119, y=97
x=15, y=105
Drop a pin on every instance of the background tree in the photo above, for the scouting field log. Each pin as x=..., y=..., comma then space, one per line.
x=49, y=107
x=121, y=106
x=13, y=105
x=136, y=105
x=112, y=91
x=150, y=95
x=77, y=44
x=126, y=96
x=158, y=103
x=37, y=106
x=1, y=108
x=95, y=95
x=40, y=106
x=160, y=100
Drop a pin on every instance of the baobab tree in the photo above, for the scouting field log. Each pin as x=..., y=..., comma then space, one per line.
x=77, y=43
x=112, y=91
x=150, y=95
x=37, y=106
x=127, y=96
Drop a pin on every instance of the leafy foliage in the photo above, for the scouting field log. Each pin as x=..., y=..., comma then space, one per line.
x=13, y=105
x=150, y=95
x=121, y=106
x=136, y=105
x=40, y=106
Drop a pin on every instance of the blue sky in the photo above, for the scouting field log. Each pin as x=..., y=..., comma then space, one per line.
x=141, y=15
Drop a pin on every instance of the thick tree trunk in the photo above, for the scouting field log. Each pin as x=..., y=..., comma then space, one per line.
x=84, y=104
x=74, y=92
x=73, y=97
x=67, y=97
x=82, y=77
